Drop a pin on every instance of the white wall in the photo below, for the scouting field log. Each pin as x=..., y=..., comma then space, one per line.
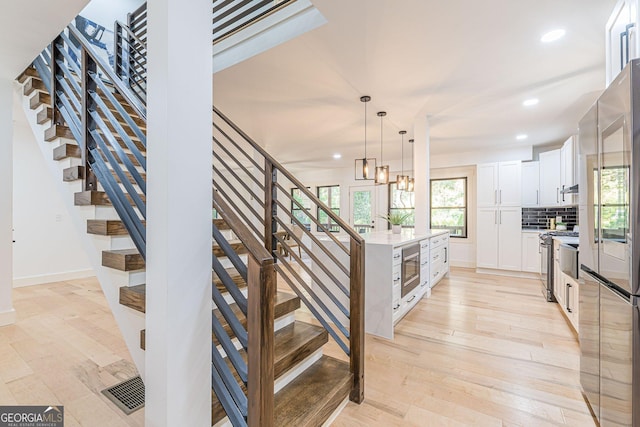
x=501, y=154
x=7, y=313
x=463, y=250
x=47, y=246
x=106, y=12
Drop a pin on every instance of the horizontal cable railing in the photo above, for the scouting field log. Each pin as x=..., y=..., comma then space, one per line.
x=105, y=118
x=318, y=255
x=230, y=16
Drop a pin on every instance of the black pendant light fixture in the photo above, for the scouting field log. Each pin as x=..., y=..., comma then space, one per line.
x=382, y=171
x=365, y=168
x=411, y=184
x=402, y=181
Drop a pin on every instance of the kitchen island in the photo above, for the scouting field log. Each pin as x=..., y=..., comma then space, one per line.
x=385, y=301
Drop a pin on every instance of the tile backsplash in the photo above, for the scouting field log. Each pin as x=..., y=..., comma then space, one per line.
x=538, y=218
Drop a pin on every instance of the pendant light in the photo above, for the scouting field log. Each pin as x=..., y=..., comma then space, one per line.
x=402, y=181
x=411, y=185
x=365, y=168
x=382, y=171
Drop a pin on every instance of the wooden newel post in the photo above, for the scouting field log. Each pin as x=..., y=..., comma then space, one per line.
x=261, y=279
x=89, y=69
x=356, y=337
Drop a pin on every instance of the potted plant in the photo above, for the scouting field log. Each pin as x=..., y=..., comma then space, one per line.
x=396, y=219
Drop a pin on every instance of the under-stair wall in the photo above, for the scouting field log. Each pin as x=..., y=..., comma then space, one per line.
x=129, y=321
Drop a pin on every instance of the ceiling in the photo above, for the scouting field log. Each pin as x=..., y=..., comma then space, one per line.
x=468, y=65
x=27, y=26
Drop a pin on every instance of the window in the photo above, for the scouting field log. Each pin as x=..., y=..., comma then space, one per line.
x=402, y=202
x=330, y=196
x=449, y=205
x=300, y=213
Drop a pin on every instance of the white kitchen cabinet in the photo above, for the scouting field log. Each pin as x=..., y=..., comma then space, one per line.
x=567, y=170
x=550, y=178
x=487, y=184
x=530, y=184
x=487, y=236
x=499, y=238
x=621, y=39
x=499, y=184
x=510, y=238
x=531, y=252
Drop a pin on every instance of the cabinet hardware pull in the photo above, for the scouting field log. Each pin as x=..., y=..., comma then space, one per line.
x=495, y=197
x=445, y=254
x=495, y=217
x=537, y=197
x=557, y=195
x=500, y=196
x=563, y=194
x=412, y=298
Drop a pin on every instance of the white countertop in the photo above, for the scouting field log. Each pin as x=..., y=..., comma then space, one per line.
x=567, y=239
x=406, y=236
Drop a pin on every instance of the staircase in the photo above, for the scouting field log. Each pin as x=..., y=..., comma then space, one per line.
x=268, y=367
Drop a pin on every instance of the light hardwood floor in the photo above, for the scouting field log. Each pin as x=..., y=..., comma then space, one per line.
x=483, y=350
x=64, y=349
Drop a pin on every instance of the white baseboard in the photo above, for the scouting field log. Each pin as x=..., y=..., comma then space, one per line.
x=463, y=264
x=7, y=317
x=51, y=278
x=509, y=273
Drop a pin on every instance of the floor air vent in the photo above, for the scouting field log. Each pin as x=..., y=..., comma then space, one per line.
x=128, y=395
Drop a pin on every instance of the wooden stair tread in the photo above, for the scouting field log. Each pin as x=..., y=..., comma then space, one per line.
x=123, y=259
x=235, y=276
x=285, y=303
x=57, y=131
x=134, y=297
x=46, y=114
x=32, y=85
x=221, y=224
x=312, y=397
x=237, y=245
x=106, y=227
x=66, y=150
x=27, y=73
x=39, y=98
x=307, y=337
x=95, y=197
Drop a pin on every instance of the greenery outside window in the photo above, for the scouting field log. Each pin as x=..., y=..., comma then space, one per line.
x=449, y=205
x=301, y=214
x=402, y=202
x=330, y=196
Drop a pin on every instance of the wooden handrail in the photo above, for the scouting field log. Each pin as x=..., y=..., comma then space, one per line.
x=255, y=248
x=339, y=221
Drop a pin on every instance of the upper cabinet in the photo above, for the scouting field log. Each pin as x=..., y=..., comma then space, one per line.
x=499, y=184
x=568, y=171
x=621, y=37
x=550, y=178
x=530, y=184
x=557, y=172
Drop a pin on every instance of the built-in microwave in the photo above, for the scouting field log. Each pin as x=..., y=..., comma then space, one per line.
x=410, y=268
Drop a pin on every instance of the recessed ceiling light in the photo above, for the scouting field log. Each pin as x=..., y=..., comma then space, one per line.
x=531, y=102
x=553, y=35
x=521, y=137
x=337, y=156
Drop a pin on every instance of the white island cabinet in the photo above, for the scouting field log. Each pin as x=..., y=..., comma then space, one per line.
x=384, y=303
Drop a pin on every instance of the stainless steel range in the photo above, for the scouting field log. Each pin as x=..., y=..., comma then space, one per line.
x=546, y=261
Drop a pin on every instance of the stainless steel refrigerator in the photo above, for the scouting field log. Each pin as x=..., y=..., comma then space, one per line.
x=609, y=320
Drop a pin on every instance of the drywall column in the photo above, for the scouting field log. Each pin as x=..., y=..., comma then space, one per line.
x=178, y=263
x=7, y=313
x=421, y=170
